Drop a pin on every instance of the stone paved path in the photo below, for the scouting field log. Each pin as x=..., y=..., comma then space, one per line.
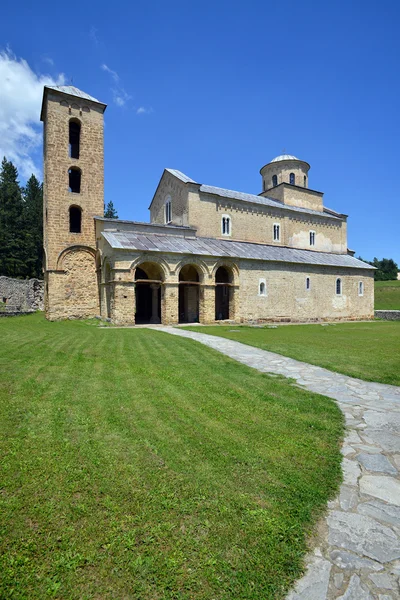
x=358, y=555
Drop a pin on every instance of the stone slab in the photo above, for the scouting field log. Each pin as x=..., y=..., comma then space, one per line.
x=382, y=487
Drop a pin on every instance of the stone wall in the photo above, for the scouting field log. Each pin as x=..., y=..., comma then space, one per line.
x=21, y=295
x=388, y=315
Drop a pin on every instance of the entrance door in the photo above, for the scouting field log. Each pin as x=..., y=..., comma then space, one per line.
x=221, y=302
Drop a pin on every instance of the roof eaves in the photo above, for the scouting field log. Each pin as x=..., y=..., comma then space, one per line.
x=178, y=175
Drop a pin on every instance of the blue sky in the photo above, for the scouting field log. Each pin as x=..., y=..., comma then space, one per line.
x=216, y=90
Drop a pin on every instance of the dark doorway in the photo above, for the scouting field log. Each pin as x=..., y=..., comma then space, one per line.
x=148, y=295
x=222, y=292
x=189, y=294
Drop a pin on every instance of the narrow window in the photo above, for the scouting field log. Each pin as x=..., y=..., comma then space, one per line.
x=308, y=283
x=361, y=288
x=75, y=219
x=305, y=181
x=74, y=175
x=312, y=238
x=74, y=138
x=292, y=179
x=277, y=232
x=168, y=210
x=262, y=287
x=274, y=180
x=264, y=186
x=338, y=287
x=226, y=225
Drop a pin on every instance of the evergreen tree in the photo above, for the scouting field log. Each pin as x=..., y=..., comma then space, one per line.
x=12, y=239
x=110, y=212
x=33, y=226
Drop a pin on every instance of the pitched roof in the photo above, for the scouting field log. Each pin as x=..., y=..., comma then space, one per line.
x=71, y=90
x=252, y=198
x=126, y=240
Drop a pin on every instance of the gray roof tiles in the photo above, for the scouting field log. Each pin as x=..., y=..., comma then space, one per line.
x=225, y=248
x=72, y=91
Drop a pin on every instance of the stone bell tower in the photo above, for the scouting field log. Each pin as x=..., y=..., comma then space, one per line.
x=73, y=194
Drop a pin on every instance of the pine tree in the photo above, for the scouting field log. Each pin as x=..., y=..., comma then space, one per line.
x=12, y=242
x=110, y=212
x=33, y=226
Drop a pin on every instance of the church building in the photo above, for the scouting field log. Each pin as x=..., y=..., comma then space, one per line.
x=208, y=254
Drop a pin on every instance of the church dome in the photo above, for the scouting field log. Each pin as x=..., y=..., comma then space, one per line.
x=284, y=157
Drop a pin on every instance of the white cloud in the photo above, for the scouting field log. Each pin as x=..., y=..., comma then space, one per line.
x=48, y=60
x=142, y=110
x=93, y=36
x=113, y=74
x=21, y=93
x=120, y=96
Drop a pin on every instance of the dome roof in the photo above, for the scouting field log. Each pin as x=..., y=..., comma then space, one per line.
x=284, y=157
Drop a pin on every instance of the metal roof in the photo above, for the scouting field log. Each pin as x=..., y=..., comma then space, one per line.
x=180, y=176
x=284, y=157
x=72, y=91
x=264, y=200
x=126, y=240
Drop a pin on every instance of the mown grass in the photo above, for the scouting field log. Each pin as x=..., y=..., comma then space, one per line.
x=140, y=465
x=369, y=351
x=387, y=295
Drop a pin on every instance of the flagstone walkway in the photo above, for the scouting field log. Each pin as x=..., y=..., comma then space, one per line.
x=358, y=554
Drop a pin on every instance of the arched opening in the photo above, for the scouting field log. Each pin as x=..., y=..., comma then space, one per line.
x=223, y=283
x=338, y=286
x=74, y=138
x=75, y=219
x=305, y=181
x=189, y=294
x=292, y=179
x=168, y=210
x=74, y=180
x=274, y=180
x=148, y=278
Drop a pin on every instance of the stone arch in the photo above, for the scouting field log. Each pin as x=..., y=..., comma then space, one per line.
x=190, y=278
x=148, y=258
x=231, y=266
x=78, y=287
x=203, y=269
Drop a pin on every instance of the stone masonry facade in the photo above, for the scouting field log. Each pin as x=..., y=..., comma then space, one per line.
x=208, y=254
x=21, y=295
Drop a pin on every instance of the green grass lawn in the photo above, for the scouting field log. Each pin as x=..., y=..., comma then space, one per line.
x=140, y=465
x=387, y=295
x=369, y=351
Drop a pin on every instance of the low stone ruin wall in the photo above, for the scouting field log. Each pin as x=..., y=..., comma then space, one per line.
x=20, y=295
x=388, y=315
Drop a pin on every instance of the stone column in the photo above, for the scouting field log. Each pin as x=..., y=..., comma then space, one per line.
x=169, y=303
x=154, y=303
x=123, y=305
x=207, y=303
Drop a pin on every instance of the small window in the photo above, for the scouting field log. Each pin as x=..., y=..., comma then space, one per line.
x=361, y=288
x=338, y=287
x=292, y=179
x=74, y=138
x=168, y=210
x=308, y=283
x=74, y=176
x=264, y=186
x=312, y=238
x=274, y=180
x=262, y=288
x=305, y=181
x=75, y=219
x=277, y=232
x=226, y=225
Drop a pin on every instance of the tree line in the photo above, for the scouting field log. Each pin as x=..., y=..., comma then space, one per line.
x=386, y=269
x=21, y=224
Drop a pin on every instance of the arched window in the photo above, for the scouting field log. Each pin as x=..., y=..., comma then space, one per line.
x=74, y=175
x=305, y=181
x=74, y=138
x=361, y=288
x=338, y=287
x=168, y=210
x=292, y=179
x=226, y=225
x=312, y=238
x=308, y=283
x=274, y=180
x=277, y=232
x=262, y=288
x=75, y=219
